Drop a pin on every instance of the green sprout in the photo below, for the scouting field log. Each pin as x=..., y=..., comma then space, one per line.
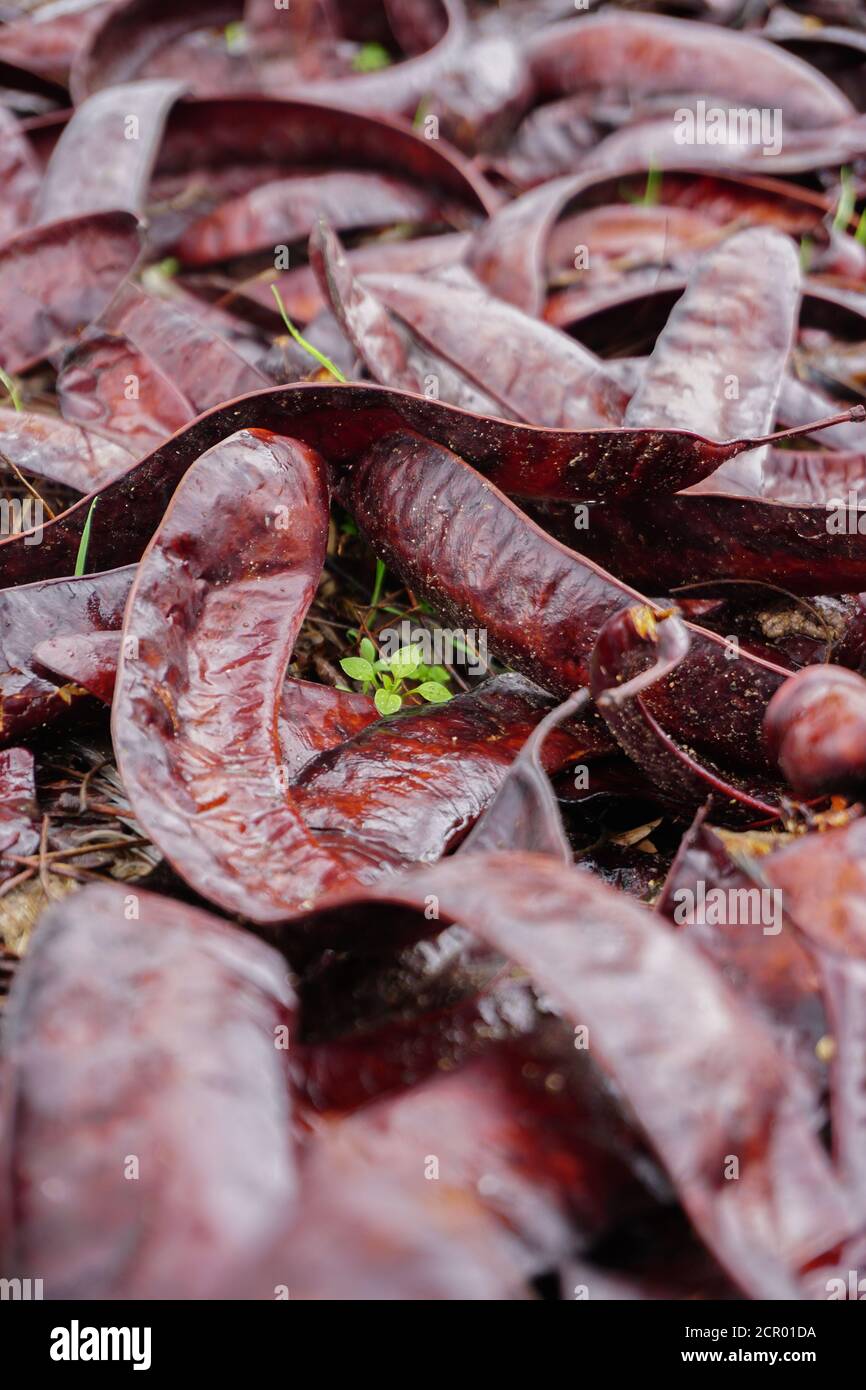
x=860, y=234
x=12, y=388
x=371, y=57
x=653, y=191
x=302, y=342
x=378, y=586
x=845, y=206
x=84, y=544
x=235, y=36
x=387, y=677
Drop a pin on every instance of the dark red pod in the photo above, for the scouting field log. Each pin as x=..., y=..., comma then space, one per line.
x=58, y=276
x=181, y=366
x=526, y=369
x=209, y=628
x=18, y=810
x=147, y=1146
x=408, y=789
x=285, y=211
x=19, y=175
x=456, y=540
x=95, y=166
x=32, y=614
x=341, y=422
x=312, y=718
x=49, y=448
x=620, y=678
x=654, y=55
x=815, y=728
x=85, y=659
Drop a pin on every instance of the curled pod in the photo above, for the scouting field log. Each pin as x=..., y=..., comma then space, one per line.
x=815, y=729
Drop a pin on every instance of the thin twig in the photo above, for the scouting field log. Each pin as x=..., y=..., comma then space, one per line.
x=43, y=859
x=16, y=880
x=8, y=463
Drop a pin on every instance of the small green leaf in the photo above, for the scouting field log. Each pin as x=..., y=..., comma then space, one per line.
x=405, y=662
x=433, y=691
x=437, y=673
x=387, y=702
x=368, y=650
x=860, y=234
x=84, y=543
x=357, y=668
x=371, y=57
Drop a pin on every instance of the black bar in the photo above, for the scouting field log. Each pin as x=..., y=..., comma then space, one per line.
x=237, y=1339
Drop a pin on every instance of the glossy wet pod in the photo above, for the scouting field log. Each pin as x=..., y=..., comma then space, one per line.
x=815, y=728
x=219, y=597
x=147, y=1146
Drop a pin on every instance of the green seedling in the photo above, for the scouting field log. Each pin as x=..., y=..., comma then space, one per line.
x=84, y=544
x=387, y=678
x=845, y=206
x=319, y=357
x=12, y=388
x=371, y=58
x=652, y=189
x=235, y=35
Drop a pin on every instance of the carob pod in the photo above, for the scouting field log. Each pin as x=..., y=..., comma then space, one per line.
x=285, y=211
x=179, y=365
x=801, y=532
x=816, y=730
x=312, y=718
x=479, y=561
x=409, y=788
x=125, y=126
x=147, y=1146
x=217, y=602
x=58, y=276
x=527, y=370
x=620, y=680
x=717, y=895
x=47, y=447
x=647, y=54
x=260, y=137
x=18, y=808
x=717, y=360
x=341, y=422
x=670, y=1034
x=19, y=175
x=35, y=613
